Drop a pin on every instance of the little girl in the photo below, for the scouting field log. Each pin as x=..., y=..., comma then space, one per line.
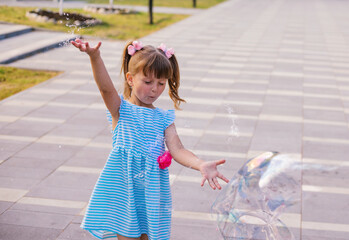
x=132, y=197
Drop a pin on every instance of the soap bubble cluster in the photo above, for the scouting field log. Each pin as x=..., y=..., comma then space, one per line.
x=249, y=207
x=234, y=130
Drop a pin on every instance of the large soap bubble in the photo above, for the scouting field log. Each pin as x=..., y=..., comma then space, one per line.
x=249, y=207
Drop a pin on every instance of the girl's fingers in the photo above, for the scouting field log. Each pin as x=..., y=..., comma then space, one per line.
x=211, y=184
x=82, y=48
x=223, y=178
x=203, y=181
x=79, y=46
x=98, y=45
x=76, y=44
x=217, y=184
x=78, y=40
x=84, y=45
x=219, y=162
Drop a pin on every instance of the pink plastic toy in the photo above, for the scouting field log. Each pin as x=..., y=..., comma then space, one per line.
x=165, y=160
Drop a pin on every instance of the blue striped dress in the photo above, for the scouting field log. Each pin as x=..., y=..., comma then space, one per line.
x=132, y=195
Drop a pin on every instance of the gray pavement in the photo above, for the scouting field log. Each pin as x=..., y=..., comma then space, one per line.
x=273, y=72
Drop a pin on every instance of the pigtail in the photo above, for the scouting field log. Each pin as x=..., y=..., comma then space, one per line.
x=124, y=68
x=174, y=82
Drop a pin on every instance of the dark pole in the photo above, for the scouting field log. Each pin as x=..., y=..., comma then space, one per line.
x=151, y=11
x=194, y=3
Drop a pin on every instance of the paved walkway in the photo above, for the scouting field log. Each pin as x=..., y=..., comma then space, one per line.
x=276, y=70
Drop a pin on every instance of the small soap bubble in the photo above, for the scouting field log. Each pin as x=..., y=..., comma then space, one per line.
x=234, y=130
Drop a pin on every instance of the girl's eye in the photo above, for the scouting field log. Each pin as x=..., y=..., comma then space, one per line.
x=147, y=82
x=162, y=84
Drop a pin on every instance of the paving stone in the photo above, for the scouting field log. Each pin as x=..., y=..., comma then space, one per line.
x=18, y=183
x=4, y=206
x=230, y=143
x=21, y=172
x=42, y=220
x=88, y=161
x=70, y=180
x=282, y=110
x=35, y=163
x=284, y=101
x=277, y=136
x=240, y=109
x=322, y=207
x=44, y=151
x=210, y=95
x=322, y=102
x=54, y=111
x=74, y=232
x=323, y=235
x=317, y=131
x=182, y=228
x=4, y=155
x=211, y=83
x=289, y=83
x=201, y=197
x=17, y=232
x=326, y=175
x=236, y=96
x=45, y=209
x=198, y=107
x=336, y=116
x=325, y=150
x=188, y=141
x=77, y=219
x=20, y=133
x=60, y=193
x=76, y=130
x=26, y=127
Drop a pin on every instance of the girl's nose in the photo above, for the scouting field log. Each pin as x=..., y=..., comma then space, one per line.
x=153, y=89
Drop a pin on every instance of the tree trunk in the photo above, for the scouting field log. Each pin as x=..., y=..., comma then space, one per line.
x=194, y=3
x=150, y=11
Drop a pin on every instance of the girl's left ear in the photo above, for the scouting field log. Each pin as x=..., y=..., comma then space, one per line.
x=129, y=79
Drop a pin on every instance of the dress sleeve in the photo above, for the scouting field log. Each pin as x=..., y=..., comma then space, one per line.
x=169, y=118
x=109, y=118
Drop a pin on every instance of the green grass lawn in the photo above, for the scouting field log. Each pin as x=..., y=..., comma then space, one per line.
x=123, y=27
x=164, y=3
x=14, y=80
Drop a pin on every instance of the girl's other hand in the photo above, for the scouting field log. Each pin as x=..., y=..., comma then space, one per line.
x=210, y=173
x=85, y=47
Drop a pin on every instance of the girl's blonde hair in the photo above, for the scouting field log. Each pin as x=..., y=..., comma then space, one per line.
x=153, y=62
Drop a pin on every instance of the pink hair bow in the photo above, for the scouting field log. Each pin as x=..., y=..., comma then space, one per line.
x=165, y=160
x=132, y=49
x=168, y=51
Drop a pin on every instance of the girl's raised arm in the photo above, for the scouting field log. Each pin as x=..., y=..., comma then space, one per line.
x=105, y=85
x=185, y=157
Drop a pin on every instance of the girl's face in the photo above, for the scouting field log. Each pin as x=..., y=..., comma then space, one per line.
x=145, y=90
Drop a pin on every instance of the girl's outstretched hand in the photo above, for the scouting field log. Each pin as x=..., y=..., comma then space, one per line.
x=85, y=47
x=210, y=173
